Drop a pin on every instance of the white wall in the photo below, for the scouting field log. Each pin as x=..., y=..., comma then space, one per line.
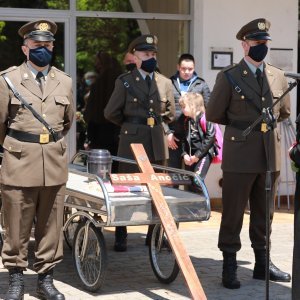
x=216, y=24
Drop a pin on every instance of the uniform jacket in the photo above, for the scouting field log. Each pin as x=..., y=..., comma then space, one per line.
x=198, y=86
x=248, y=154
x=123, y=104
x=33, y=164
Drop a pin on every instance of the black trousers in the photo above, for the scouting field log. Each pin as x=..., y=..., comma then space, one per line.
x=237, y=189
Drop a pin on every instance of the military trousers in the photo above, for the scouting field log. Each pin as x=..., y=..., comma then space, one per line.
x=296, y=253
x=237, y=190
x=21, y=208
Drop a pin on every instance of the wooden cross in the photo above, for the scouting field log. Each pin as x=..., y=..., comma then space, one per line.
x=167, y=220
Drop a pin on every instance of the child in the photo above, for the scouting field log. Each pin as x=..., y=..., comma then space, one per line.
x=198, y=149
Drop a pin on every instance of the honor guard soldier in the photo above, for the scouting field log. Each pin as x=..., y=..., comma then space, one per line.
x=36, y=112
x=142, y=103
x=241, y=94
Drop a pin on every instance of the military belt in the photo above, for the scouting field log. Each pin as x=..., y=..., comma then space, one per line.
x=43, y=138
x=243, y=125
x=142, y=121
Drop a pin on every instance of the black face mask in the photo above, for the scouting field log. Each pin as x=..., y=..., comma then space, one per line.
x=130, y=66
x=40, y=56
x=149, y=65
x=258, y=52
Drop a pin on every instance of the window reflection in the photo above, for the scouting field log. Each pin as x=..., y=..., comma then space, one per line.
x=114, y=35
x=38, y=4
x=147, y=6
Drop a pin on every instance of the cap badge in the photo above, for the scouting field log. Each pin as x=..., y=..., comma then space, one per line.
x=149, y=40
x=261, y=25
x=43, y=27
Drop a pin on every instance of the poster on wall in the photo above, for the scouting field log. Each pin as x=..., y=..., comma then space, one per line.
x=221, y=59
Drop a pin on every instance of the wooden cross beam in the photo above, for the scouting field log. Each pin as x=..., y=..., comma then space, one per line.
x=167, y=221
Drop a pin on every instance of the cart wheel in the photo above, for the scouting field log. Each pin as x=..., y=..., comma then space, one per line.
x=70, y=230
x=162, y=259
x=89, y=255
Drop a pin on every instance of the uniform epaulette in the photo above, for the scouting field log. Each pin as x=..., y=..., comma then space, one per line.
x=229, y=67
x=8, y=70
x=124, y=74
x=274, y=66
x=58, y=70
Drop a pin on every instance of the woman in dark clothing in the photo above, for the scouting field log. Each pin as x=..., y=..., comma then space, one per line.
x=198, y=147
x=101, y=133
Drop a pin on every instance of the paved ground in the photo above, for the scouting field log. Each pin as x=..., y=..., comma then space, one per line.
x=129, y=275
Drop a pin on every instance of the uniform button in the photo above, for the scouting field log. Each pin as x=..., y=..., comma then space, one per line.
x=9, y=148
x=151, y=101
x=151, y=109
x=44, y=116
x=232, y=138
x=134, y=100
x=263, y=98
x=44, y=129
x=242, y=97
x=126, y=131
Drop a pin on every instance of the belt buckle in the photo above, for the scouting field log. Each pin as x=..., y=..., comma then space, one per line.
x=264, y=127
x=150, y=121
x=44, y=138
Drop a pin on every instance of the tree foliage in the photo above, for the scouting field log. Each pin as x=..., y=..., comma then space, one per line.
x=93, y=34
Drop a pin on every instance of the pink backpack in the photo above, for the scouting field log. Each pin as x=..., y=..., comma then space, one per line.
x=219, y=140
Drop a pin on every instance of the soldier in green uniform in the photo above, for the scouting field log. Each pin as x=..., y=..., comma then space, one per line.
x=142, y=103
x=240, y=94
x=34, y=167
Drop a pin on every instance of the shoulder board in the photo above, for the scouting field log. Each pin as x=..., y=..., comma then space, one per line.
x=229, y=68
x=125, y=74
x=8, y=70
x=201, y=78
x=273, y=66
x=60, y=71
x=161, y=75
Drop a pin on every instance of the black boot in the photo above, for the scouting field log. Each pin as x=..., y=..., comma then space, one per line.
x=259, y=271
x=121, y=239
x=46, y=289
x=16, y=285
x=229, y=278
